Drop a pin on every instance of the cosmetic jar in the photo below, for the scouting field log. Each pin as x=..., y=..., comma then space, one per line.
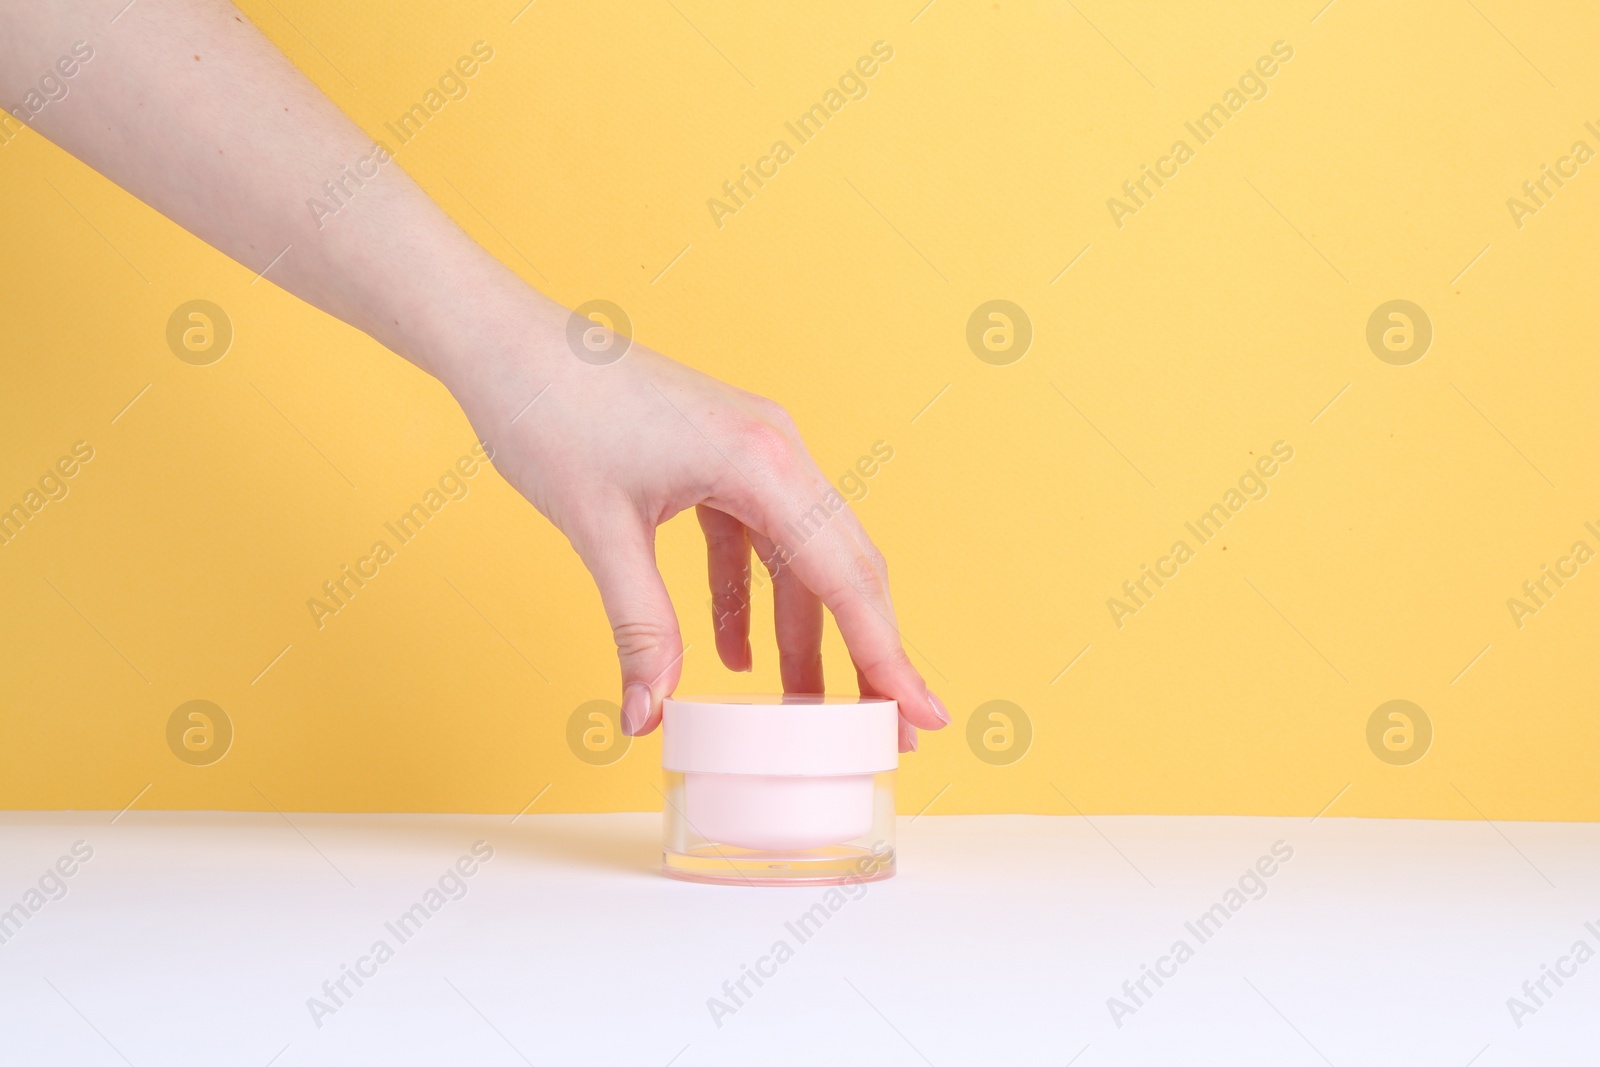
x=779, y=790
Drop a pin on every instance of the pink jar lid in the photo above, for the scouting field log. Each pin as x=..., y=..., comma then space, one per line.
x=787, y=735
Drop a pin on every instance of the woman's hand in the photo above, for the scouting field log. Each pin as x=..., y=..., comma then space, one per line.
x=610, y=450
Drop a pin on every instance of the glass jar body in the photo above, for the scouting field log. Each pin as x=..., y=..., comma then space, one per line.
x=757, y=829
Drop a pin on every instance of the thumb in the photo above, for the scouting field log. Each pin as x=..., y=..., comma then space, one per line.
x=643, y=622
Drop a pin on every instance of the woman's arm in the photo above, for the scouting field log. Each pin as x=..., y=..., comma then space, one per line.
x=187, y=106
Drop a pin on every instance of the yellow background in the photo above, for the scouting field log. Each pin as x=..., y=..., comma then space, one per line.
x=1221, y=318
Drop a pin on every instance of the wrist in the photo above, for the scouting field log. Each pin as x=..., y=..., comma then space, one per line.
x=427, y=292
x=489, y=341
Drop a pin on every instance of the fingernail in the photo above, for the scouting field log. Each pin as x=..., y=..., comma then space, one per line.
x=908, y=737
x=635, y=708
x=938, y=708
x=749, y=656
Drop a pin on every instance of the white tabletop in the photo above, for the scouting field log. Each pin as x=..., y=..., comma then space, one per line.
x=198, y=938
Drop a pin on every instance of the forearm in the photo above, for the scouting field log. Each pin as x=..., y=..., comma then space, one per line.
x=187, y=106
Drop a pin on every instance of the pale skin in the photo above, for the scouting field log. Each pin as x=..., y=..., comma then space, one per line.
x=188, y=107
